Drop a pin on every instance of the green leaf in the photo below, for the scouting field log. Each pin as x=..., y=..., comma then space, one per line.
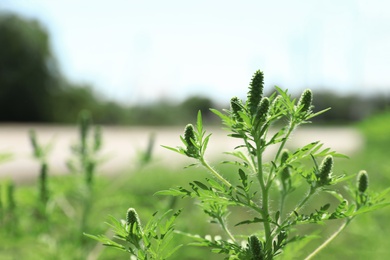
x=255, y=220
x=106, y=241
x=366, y=209
x=174, y=192
x=177, y=150
x=224, y=117
x=199, y=122
x=201, y=185
x=216, y=185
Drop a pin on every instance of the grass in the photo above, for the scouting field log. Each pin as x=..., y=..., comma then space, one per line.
x=30, y=235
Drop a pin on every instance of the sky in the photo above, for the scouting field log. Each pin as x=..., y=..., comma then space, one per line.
x=142, y=51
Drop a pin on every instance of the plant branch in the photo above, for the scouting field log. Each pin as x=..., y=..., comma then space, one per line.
x=326, y=242
x=214, y=172
x=264, y=192
x=224, y=227
x=281, y=147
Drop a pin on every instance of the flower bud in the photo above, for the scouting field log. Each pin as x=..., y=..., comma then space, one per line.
x=305, y=101
x=285, y=172
x=362, y=181
x=255, y=91
x=85, y=122
x=132, y=220
x=262, y=110
x=255, y=248
x=189, y=137
x=284, y=156
x=325, y=170
x=236, y=107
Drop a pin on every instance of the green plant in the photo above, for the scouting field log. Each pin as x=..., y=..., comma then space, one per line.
x=8, y=210
x=40, y=154
x=275, y=197
x=86, y=158
x=86, y=151
x=262, y=123
x=152, y=241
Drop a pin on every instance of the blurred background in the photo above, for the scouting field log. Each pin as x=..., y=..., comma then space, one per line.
x=139, y=63
x=144, y=68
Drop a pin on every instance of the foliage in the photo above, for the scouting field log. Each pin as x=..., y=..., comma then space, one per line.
x=40, y=153
x=256, y=177
x=27, y=70
x=149, y=242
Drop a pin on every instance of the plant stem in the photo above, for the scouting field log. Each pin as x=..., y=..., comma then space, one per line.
x=326, y=242
x=224, y=227
x=302, y=203
x=216, y=174
x=282, y=201
x=281, y=147
x=264, y=193
x=296, y=209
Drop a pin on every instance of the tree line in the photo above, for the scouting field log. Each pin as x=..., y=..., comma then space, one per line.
x=33, y=89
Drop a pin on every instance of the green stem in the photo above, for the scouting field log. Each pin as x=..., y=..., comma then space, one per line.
x=281, y=147
x=264, y=193
x=282, y=201
x=326, y=242
x=216, y=174
x=296, y=209
x=251, y=203
x=302, y=203
x=224, y=227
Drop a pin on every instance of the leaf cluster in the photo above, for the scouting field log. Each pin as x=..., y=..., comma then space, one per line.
x=152, y=241
x=262, y=124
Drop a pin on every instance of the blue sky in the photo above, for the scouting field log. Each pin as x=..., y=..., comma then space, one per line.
x=141, y=51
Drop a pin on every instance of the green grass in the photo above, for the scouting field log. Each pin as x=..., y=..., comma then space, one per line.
x=59, y=236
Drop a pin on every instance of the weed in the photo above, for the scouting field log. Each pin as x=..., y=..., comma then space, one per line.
x=274, y=228
x=256, y=178
x=40, y=153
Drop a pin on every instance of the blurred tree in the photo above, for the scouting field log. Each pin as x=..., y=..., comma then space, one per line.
x=28, y=71
x=193, y=104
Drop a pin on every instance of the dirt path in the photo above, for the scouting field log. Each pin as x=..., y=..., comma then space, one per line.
x=122, y=144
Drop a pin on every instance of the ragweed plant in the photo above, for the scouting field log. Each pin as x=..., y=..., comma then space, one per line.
x=152, y=241
x=86, y=151
x=86, y=158
x=263, y=123
x=40, y=153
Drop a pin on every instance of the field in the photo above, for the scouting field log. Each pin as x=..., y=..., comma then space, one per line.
x=55, y=230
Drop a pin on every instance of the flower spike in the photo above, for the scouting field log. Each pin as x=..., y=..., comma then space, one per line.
x=255, y=91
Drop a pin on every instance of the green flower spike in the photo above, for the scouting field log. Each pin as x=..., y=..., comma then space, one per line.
x=255, y=248
x=285, y=173
x=255, y=91
x=362, y=181
x=189, y=137
x=325, y=170
x=305, y=101
x=284, y=157
x=236, y=107
x=85, y=122
x=262, y=110
x=132, y=220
